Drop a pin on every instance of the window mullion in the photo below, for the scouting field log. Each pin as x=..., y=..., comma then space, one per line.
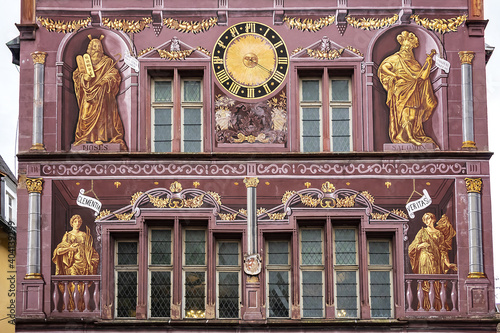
x=176, y=119
x=325, y=96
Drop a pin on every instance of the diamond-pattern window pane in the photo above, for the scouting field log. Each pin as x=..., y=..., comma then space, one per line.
x=126, y=298
x=229, y=303
x=279, y=294
x=345, y=246
x=312, y=293
x=278, y=253
x=194, y=301
x=160, y=294
x=228, y=254
x=192, y=91
x=163, y=130
x=340, y=90
x=311, y=132
x=380, y=294
x=127, y=253
x=163, y=91
x=310, y=90
x=347, y=299
x=192, y=130
x=194, y=247
x=341, y=132
x=379, y=253
x=312, y=250
x=161, y=247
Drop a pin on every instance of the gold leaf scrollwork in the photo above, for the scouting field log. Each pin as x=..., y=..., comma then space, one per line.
x=368, y=197
x=159, y=202
x=204, y=50
x=466, y=57
x=251, y=138
x=128, y=26
x=242, y=211
x=276, y=216
x=175, y=55
x=325, y=55
x=261, y=210
x=175, y=187
x=228, y=217
x=190, y=26
x=194, y=202
x=124, y=217
x=346, y=202
x=308, y=24
x=135, y=196
x=297, y=50
x=287, y=196
x=102, y=214
x=371, y=23
x=216, y=196
x=440, y=25
x=34, y=185
x=63, y=26
x=328, y=203
x=327, y=187
x=400, y=213
x=144, y=51
x=355, y=50
x=176, y=203
x=473, y=185
x=309, y=201
x=378, y=216
x=251, y=181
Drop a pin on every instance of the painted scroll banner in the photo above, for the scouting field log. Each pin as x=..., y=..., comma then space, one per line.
x=88, y=202
x=422, y=203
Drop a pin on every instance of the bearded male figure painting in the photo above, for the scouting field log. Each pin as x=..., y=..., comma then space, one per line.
x=97, y=82
x=410, y=97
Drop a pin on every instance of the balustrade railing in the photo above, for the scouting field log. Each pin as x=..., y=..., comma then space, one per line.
x=76, y=295
x=435, y=294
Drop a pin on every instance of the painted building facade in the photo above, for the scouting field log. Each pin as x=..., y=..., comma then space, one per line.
x=265, y=166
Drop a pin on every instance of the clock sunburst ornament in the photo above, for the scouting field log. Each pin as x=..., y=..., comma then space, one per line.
x=250, y=60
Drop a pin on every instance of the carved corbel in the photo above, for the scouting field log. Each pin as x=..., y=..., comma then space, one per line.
x=278, y=13
x=340, y=16
x=157, y=16
x=222, y=13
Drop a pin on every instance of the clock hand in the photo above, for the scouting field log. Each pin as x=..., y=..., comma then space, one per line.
x=257, y=64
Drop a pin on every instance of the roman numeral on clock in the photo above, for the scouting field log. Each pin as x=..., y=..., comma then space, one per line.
x=217, y=60
x=250, y=27
x=222, y=76
x=266, y=88
x=250, y=92
x=279, y=76
x=278, y=44
x=282, y=60
x=234, y=88
x=234, y=31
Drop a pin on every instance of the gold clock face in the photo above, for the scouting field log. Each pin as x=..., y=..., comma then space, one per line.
x=250, y=60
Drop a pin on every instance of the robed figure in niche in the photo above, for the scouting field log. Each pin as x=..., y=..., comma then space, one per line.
x=75, y=255
x=429, y=254
x=410, y=97
x=97, y=82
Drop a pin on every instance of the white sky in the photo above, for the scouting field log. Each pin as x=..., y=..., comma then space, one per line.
x=9, y=97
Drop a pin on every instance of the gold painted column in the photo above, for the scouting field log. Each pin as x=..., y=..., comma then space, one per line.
x=466, y=58
x=38, y=87
x=34, y=186
x=476, y=265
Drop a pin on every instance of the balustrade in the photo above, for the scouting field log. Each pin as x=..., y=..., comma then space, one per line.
x=431, y=293
x=76, y=295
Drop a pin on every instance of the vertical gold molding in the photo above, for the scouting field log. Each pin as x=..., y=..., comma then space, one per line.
x=466, y=57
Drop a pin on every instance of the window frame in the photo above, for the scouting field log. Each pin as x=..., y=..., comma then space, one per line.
x=309, y=105
x=161, y=105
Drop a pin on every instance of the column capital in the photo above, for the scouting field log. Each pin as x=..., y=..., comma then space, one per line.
x=34, y=185
x=39, y=57
x=251, y=181
x=466, y=57
x=473, y=185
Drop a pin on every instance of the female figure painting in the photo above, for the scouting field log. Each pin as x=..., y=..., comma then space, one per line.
x=429, y=253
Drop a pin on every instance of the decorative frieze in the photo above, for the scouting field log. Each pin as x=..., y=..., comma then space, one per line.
x=440, y=25
x=371, y=23
x=305, y=24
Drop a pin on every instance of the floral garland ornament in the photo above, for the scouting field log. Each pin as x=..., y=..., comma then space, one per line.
x=190, y=26
x=440, y=25
x=371, y=23
x=128, y=26
x=63, y=26
x=308, y=24
x=180, y=55
x=325, y=55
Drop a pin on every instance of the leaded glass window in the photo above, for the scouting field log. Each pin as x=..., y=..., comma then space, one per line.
x=194, y=273
x=228, y=279
x=161, y=108
x=380, y=278
x=346, y=272
x=192, y=116
x=126, y=269
x=312, y=272
x=310, y=106
x=278, y=279
x=160, y=272
x=341, y=107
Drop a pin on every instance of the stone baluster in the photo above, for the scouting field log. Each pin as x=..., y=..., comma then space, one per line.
x=432, y=295
x=96, y=296
x=420, y=296
x=86, y=297
x=443, y=295
x=76, y=296
x=66, y=297
x=454, y=295
x=409, y=295
x=55, y=296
